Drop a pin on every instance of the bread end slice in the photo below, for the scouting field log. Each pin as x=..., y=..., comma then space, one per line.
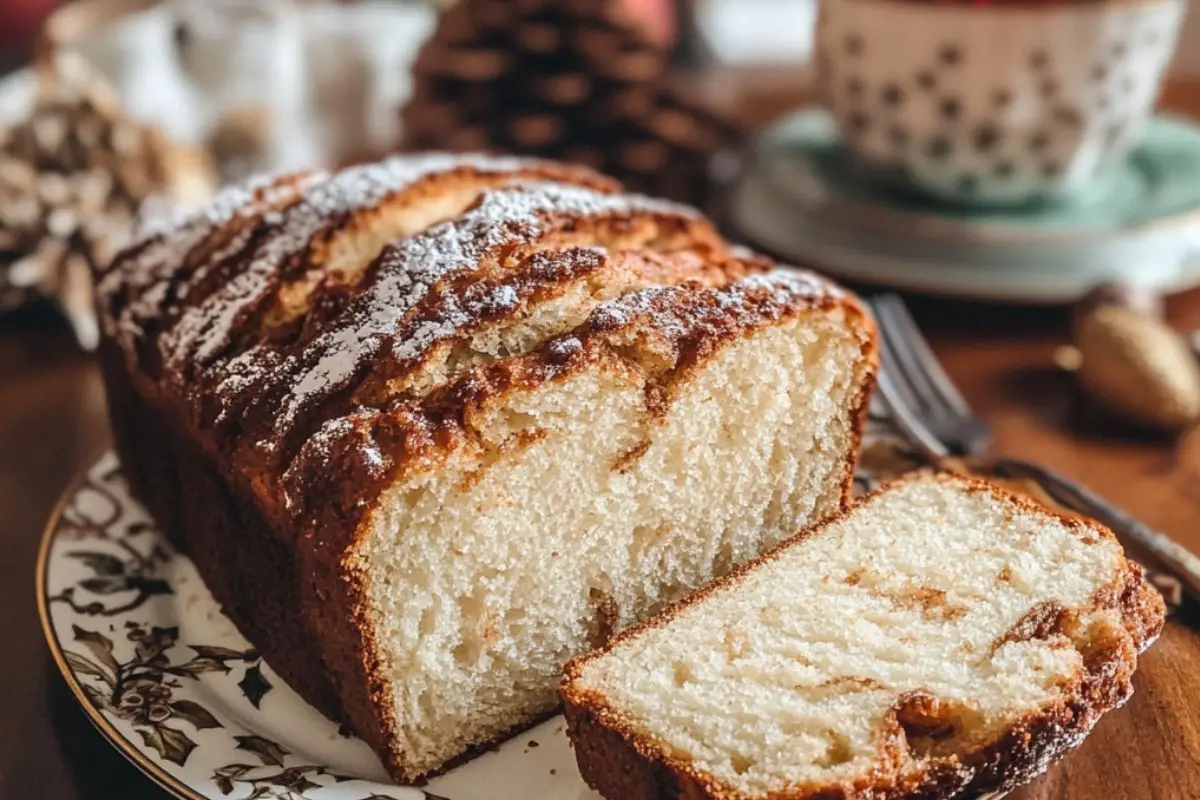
x=942, y=638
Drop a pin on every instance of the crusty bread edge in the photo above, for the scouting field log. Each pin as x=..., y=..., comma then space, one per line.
x=219, y=527
x=359, y=669
x=866, y=381
x=622, y=763
x=329, y=583
x=184, y=475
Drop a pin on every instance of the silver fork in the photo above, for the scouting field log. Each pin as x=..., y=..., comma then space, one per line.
x=927, y=407
x=922, y=401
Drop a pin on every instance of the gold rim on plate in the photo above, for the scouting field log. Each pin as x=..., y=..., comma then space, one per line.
x=124, y=746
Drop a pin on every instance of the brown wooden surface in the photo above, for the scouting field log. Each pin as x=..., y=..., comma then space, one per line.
x=52, y=421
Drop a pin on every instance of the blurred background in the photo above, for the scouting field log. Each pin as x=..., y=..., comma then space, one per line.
x=981, y=149
x=734, y=27
x=1026, y=172
x=1003, y=151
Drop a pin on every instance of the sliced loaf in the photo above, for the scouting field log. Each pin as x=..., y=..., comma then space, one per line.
x=941, y=639
x=431, y=427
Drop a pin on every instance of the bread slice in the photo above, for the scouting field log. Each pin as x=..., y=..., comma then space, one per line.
x=941, y=639
x=431, y=427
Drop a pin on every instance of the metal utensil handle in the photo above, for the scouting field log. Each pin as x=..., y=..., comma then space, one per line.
x=1182, y=563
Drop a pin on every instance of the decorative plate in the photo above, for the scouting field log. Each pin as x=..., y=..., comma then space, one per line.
x=172, y=685
x=805, y=199
x=169, y=681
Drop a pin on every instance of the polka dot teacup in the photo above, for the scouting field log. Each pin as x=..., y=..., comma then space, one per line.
x=993, y=104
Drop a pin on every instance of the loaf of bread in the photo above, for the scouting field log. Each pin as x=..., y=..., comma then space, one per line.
x=941, y=639
x=431, y=427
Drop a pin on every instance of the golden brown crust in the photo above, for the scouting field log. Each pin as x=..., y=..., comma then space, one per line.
x=265, y=404
x=620, y=762
x=230, y=256
x=133, y=292
x=280, y=436
x=220, y=528
x=359, y=454
x=658, y=338
x=861, y=403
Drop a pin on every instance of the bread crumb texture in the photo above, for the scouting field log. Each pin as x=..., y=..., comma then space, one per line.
x=891, y=649
x=491, y=410
x=489, y=574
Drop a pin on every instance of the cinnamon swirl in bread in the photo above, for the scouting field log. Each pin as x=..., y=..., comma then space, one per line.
x=431, y=427
x=943, y=639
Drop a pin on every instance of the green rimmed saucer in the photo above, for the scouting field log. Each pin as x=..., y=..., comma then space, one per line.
x=805, y=199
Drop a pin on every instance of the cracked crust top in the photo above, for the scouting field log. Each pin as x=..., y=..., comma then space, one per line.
x=331, y=324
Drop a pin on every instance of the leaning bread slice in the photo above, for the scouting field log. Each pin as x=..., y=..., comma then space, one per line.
x=941, y=639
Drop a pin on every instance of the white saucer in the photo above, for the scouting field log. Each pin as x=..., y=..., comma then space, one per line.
x=803, y=200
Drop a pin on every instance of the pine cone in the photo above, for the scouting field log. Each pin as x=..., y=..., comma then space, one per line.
x=577, y=80
x=72, y=179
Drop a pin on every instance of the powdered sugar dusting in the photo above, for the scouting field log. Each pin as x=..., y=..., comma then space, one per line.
x=677, y=311
x=205, y=329
x=227, y=204
x=453, y=317
x=321, y=442
x=644, y=302
x=788, y=284
x=503, y=297
x=406, y=273
x=330, y=431
x=349, y=434
x=144, y=275
x=565, y=347
x=554, y=266
x=240, y=374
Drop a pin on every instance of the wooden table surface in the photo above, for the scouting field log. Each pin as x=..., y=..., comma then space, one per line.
x=52, y=421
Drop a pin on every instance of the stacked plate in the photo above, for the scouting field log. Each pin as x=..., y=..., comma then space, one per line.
x=804, y=199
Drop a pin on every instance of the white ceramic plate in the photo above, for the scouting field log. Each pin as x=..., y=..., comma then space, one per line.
x=171, y=683
x=802, y=200
x=173, y=686
x=849, y=254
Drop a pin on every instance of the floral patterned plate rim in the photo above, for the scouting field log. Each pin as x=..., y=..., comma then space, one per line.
x=172, y=685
